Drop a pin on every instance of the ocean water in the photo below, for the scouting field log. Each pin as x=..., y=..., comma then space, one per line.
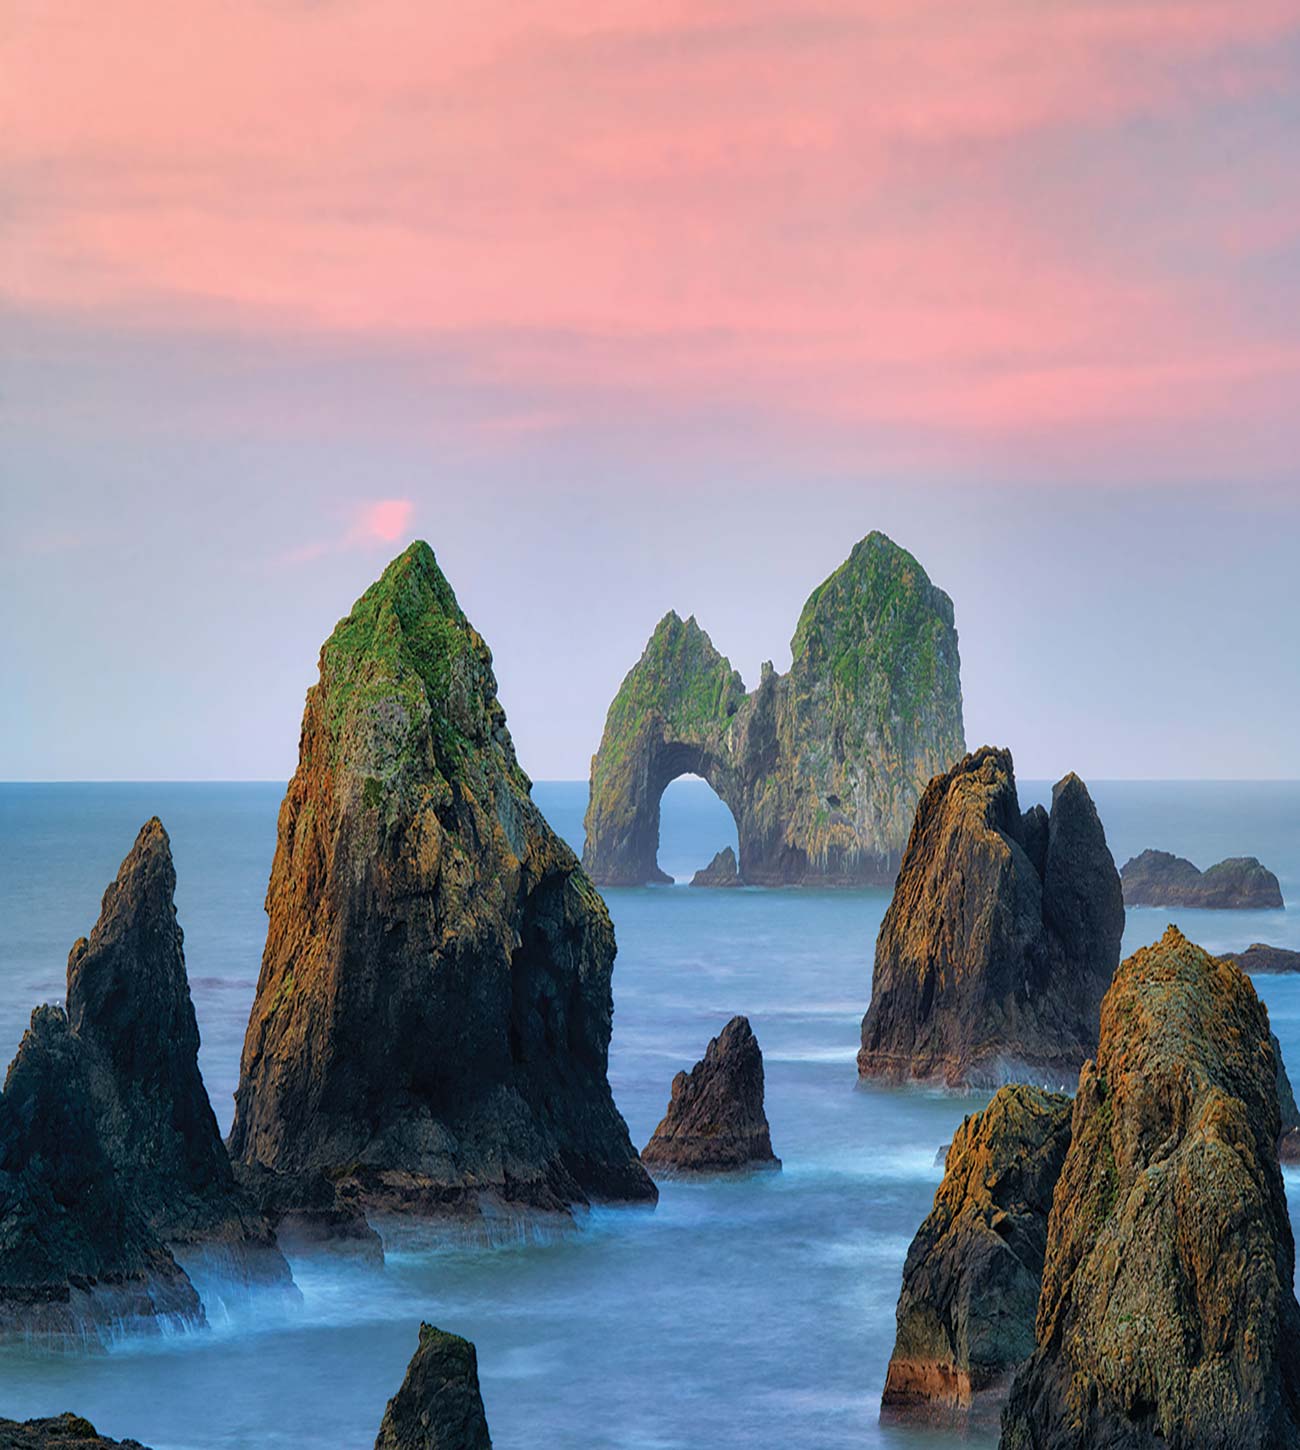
x=749, y=1312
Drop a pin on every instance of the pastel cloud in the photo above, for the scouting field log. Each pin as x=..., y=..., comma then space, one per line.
x=386, y=521
x=994, y=221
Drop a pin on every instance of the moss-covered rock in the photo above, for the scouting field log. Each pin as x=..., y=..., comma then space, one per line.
x=1168, y=1314
x=439, y=1405
x=432, y=1020
x=821, y=766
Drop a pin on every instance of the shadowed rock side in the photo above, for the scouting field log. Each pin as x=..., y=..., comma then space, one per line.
x=129, y=1006
x=432, y=1020
x=715, y=1120
x=721, y=871
x=974, y=1270
x=1001, y=937
x=1288, y=1143
x=1261, y=959
x=1168, y=1315
x=77, y=1260
x=821, y=766
x=439, y=1406
x=69, y=1431
x=1157, y=878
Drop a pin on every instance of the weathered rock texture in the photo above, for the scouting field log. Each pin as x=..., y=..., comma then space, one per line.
x=1157, y=878
x=721, y=871
x=715, y=1120
x=439, y=1406
x=1264, y=959
x=1168, y=1315
x=821, y=766
x=432, y=1020
x=1001, y=938
x=129, y=1006
x=77, y=1258
x=71, y=1432
x=973, y=1273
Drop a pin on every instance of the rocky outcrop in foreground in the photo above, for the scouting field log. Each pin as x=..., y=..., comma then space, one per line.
x=130, y=1009
x=973, y=1272
x=721, y=871
x=71, y=1432
x=1264, y=960
x=1001, y=937
x=77, y=1258
x=715, y=1120
x=432, y=1020
x=821, y=766
x=1157, y=878
x=1168, y=1315
x=439, y=1406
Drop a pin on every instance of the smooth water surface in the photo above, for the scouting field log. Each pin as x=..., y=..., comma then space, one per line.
x=751, y=1312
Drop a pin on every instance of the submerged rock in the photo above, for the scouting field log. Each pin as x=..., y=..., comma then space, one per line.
x=1168, y=1315
x=715, y=1120
x=1001, y=937
x=129, y=1006
x=432, y=1021
x=1261, y=959
x=1158, y=878
x=821, y=766
x=70, y=1431
x=439, y=1406
x=77, y=1258
x=974, y=1270
x=721, y=871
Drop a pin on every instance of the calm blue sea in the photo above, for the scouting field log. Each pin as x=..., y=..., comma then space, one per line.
x=748, y=1313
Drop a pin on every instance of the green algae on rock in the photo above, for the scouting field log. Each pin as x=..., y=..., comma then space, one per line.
x=1168, y=1314
x=432, y=1020
x=822, y=766
x=974, y=1270
x=439, y=1405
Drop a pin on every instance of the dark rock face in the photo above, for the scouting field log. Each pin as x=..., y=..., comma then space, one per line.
x=721, y=871
x=715, y=1120
x=973, y=1273
x=77, y=1258
x=1288, y=1143
x=1168, y=1315
x=432, y=1020
x=129, y=1006
x=70, y=1431
x=1157, y=878
x=1264, y=959
x=1001, y=938
x=439, y=1406
x=821, y=766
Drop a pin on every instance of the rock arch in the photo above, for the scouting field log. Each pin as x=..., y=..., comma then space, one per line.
x=822, y=766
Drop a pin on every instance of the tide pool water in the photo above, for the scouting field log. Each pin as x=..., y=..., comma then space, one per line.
x=749, y=1312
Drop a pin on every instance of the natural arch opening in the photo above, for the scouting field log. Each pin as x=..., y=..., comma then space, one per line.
x=695, y=823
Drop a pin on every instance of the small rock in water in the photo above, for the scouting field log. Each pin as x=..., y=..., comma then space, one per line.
x=1159, y=878
x=721, y=871
x=715, y=1120
x=1261, y=959
x=58, y=1432
x=439, y=1406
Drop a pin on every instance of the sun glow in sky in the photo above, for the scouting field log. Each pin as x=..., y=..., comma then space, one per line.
x=293, y=280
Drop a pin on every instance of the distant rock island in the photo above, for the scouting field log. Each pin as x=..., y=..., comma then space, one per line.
x=715, y=1120
x=439, y=1405
x=1158, y=878
x=1264, y=959
x=821, y=766
x=431, y=1026
x=1168, y=1313
x=721, y=871
x=1001, y=938
x=975, y=1267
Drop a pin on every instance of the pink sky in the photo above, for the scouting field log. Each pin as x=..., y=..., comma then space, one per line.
x=1002, y=228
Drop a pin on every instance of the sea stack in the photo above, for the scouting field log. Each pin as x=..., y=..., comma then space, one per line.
x=1262, y=960
x=432, y=1020
x=77, y=1259
x=58, y=1432
x=1168, y=1315
x=129, y=1007
x=439, y=1406
x=1000, y=940
x=821, y=766
x=1288, y=1142
x=715, y=1121
x=1157, y=878
x=975, y=1268
x=721, y=871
